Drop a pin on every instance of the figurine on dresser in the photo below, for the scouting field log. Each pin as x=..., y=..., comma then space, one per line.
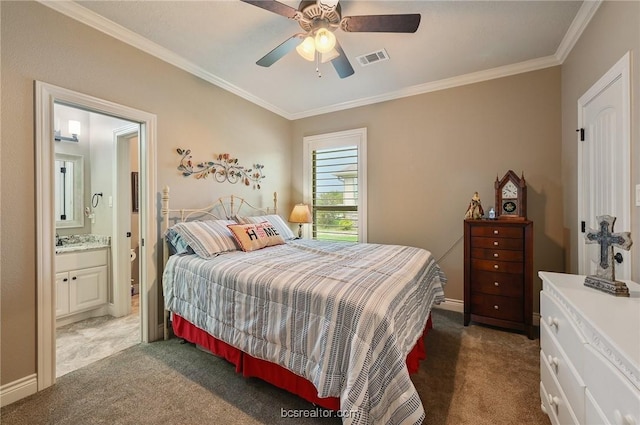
x=605, y=277
x=475, y=210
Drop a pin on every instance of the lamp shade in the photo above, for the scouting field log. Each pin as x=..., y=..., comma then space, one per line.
x=325, y=40
x=301, y=214
x=307, y=49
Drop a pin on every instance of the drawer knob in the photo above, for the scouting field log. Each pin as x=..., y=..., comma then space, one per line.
x=623, y=420
x=495, y=255
x=495, y=266
x=495, y=232
x=495, y=243
x=553, y=361
x=495, y=307
x=552, y=321
x=496, y=283
x=554, y=401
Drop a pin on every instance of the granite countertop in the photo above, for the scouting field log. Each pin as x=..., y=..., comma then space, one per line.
x=87, y=242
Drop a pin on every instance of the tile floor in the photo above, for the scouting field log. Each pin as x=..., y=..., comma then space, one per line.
x=81, y=343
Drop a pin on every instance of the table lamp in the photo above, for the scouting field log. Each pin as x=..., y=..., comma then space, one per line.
x=300, y=214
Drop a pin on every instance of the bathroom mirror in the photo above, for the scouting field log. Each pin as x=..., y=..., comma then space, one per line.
x=69, y=184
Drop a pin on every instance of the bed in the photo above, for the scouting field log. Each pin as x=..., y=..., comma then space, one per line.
x=339, y=324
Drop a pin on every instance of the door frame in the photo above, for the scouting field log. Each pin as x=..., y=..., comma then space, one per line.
x=620, y=71
x=45, y=96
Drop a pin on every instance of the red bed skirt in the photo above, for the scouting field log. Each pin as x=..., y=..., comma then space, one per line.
x=252, y=367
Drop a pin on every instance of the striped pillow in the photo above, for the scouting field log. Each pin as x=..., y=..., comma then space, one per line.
x=207, y=238
x=176, y=244
x=277, y=222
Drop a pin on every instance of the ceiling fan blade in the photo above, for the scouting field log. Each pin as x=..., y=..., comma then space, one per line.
x=341, y=63
x=275, y=7
x=277, y=53
x=381, y=23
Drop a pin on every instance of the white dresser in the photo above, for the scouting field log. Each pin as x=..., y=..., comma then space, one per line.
x=589, y=353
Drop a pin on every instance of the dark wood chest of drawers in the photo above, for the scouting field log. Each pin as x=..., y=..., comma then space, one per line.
x=498, y=273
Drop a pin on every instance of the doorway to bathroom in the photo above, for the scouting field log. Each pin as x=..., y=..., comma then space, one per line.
x=104, y=204
x=97, y=232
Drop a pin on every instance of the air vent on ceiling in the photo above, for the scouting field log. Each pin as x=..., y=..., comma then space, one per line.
x=373, y=57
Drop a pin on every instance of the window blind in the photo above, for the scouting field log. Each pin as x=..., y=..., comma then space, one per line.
x=335, y=193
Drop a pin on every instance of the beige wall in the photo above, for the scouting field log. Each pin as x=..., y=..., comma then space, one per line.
x=40, y=44
x=613, y=31
x=428, y=154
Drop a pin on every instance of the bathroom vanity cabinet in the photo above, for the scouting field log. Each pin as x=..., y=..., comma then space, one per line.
x=81, y=282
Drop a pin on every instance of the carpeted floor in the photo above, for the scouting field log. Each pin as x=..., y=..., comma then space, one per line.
x=473, y=375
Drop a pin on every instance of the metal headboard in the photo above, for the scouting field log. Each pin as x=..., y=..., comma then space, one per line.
x=224, y=208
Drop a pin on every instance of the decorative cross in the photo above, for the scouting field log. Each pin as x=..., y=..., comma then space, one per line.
x=607, y=240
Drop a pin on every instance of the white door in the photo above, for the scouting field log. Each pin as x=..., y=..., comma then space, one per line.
x=604, y=178
x=121, y=245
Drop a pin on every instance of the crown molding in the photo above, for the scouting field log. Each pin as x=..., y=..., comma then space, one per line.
x=579, y=23
x=102, y=24
x=447, y=83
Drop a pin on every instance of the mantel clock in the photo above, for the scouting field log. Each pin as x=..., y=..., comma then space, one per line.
x=511, y=197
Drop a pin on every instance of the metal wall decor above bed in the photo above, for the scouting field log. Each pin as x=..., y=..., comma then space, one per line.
x=222, y=168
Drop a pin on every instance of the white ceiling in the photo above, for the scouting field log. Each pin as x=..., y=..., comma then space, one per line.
x=458, y=42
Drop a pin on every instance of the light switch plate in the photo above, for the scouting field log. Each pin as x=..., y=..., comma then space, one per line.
x=638, y=195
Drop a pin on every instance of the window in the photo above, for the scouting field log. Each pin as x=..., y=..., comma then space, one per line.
x=335, y=185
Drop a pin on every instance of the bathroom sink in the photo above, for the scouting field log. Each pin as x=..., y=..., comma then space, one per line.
x=81, y=243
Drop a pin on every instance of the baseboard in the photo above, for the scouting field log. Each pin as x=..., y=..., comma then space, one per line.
x=458, y=306
x=451, y=305
x=160, y=332
x=536, y=319
x=16, y=390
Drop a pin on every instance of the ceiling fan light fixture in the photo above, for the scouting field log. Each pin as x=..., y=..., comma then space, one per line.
x=325, y=40
x=307, y=49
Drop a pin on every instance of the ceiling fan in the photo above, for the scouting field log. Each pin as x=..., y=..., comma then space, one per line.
x=319, y=19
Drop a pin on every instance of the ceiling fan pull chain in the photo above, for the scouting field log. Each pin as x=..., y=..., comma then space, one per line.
x=318, y=64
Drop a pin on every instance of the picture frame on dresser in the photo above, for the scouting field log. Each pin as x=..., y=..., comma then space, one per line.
x=498, y=274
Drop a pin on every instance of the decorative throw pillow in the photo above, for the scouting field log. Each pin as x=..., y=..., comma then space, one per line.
x=273, y=235
x=207, y=238
x=277, y=222
x=252, y=237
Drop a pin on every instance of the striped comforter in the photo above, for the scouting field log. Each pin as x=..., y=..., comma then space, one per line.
x=342, y=315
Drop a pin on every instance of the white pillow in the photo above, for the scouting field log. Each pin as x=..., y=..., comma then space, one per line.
x=207, y=238
x=278, y=223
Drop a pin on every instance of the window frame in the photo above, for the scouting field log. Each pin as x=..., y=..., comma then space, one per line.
x=356, y=137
